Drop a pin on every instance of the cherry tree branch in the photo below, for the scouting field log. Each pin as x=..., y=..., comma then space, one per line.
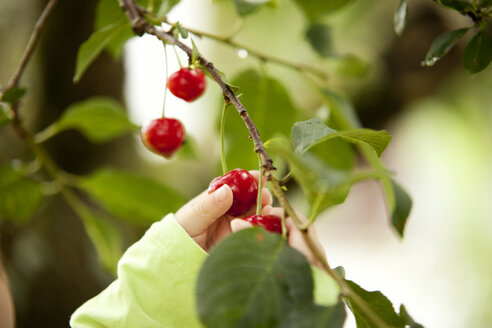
x=31, y=45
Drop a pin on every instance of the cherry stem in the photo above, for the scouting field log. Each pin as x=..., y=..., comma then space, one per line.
x=260, y=186
x=165, y=83
x=177, y=56
x=222, y=146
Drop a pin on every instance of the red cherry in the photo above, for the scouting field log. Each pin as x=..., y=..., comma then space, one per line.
x=187, y=84
x=271, y=223
x=244, y=190
x=163, y=136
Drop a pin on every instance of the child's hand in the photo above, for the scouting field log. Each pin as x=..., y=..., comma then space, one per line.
x=204, y=219
x=294, y=235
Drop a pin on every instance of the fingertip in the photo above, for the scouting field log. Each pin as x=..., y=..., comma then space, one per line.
x=223, y=194
x=240, y=224
x=270, y=210
x=254, y=173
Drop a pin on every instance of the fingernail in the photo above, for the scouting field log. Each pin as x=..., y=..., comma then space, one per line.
x=220, y=195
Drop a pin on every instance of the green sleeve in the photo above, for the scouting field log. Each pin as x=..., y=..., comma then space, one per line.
x=156, y=284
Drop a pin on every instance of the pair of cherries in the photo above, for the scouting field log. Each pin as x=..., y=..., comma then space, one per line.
x=244, y=193
x=164, y=136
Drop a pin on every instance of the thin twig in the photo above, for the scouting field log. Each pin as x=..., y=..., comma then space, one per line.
x=258, y=54
x=14, y=81
x=31, y=45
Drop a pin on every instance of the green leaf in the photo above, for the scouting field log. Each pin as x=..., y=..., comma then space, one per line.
x=323, y=186
x=97, y=42
x=315, y=9
x=105, y=238
x=270, y=107
x=108, y=12
x=175, y=33
x=20, y=196
x=377, y=140
x=315, y=316
x=307, y=134
x=194, y=52
x=379, y=305
x=184, y=33
x=442, y=45
x=6, y=114
x=233, y=87
x=319, y=37
x=133, y=197
x=398, y=201
x=251, y=279
x=400, y=16
x=246, y=7
x=336, y=153
x=478, y=52
x=407, y=319
x=13, y=95
x=342, y=113
x=99, y=118
x=115, y=46
x=401, y=208
x=458, y=5
x=329, y=188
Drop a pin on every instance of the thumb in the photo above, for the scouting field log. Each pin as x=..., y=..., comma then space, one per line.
x=203, y=210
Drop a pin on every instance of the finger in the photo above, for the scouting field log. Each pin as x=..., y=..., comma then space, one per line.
x=239, y=224
x=266, y=197
x=203, y=210
x=296, y=240
x=269, y=210
x=313, y=234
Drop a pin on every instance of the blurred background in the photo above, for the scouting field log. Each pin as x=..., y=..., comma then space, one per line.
x=440, y=118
